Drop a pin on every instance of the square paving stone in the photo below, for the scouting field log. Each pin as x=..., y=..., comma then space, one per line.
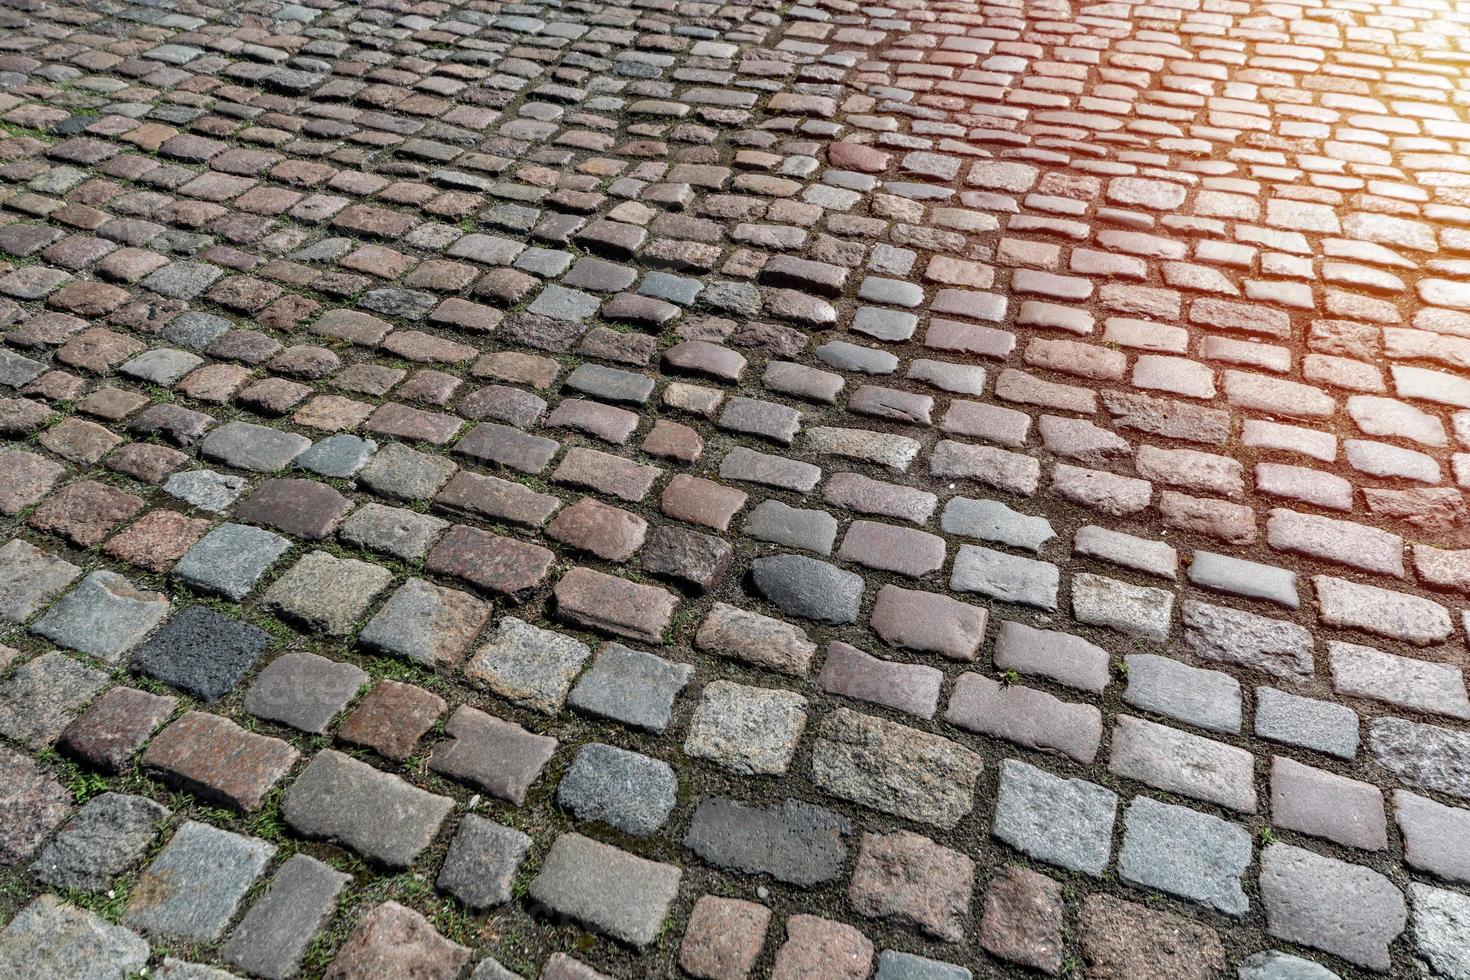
x=326, y=594
x=377, y=814
x=496, y=756
x=630, y=686
x=273, y=936
x=32, y=803
x=201, y=652
x=724, y=938
x=106, y=735
x=748, y=730
x=482, y=862
x=298, y=508
x=40, y=697
x=303, y=690
x=217, y=760
x=191, y=890
x=24, y=479
x=104, y=616
x=427, y=624
x=625, y=790
x=391, y=719
x=1067, y=822
x=392, y=531
x=527, y=665
x=608, y=890
x=1185, y=853
x=48, y=940
x=392, y=941
x=108, y=835
x=30, y=578
x=230, y=559
x=909, y=878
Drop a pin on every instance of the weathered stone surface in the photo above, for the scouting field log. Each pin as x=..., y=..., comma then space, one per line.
x=303, y=690
x=1185, y=853
x=105, y=838
x=894, y=769
x=30, y=578
x=631, y=687
x=755, y=639
x=1068, y=822
x=1344, y=909
x=496, y=756
x=625, y=790
x=392, y=940
x=192, y=889
x=527, y=665
x=426, y=624
x=795, y=842
x=374, y=813
x=49, y=938
x=201, y=652
x=908, y=878
x=609, y=890
x=1022, y=921
x=483, y=858
x=40, y=698
x=273, y=936
x=748, y=730
x=1179, y=762
x=1425, y=756
x=219, y=761
x=1122, y=939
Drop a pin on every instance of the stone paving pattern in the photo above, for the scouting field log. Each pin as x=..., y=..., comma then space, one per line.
x=927, y=490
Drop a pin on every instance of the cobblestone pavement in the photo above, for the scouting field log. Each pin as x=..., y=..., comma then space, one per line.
x=686, y=489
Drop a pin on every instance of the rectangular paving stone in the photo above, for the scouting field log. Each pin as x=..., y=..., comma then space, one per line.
x=273, y=935
x=894, y=769
x=1193, y=855
x=1206, y=699
x=496, y=756
x=607, y=889
x=377, y=814
x=1062, y=657
x=1009, y=578
x=1026, y=716
x=1178, y=762
x=1321, y=803
x=426, y=624
x=616, y=605
x=630, y=686
x=218, y=761
x=1403, y=682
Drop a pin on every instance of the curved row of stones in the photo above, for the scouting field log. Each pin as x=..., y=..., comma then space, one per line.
x=577, y=490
